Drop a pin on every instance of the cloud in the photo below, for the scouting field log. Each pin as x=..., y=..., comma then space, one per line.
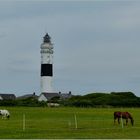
x=96, y=44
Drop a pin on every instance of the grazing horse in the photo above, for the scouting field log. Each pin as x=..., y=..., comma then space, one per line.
x=5, y=114
x=124, y=115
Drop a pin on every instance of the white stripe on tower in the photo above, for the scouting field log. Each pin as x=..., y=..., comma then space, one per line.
x=46, y=64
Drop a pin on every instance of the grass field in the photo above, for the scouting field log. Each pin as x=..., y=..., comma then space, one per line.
x=45, y=123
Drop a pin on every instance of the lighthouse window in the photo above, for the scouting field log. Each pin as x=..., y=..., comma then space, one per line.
x=46, y=70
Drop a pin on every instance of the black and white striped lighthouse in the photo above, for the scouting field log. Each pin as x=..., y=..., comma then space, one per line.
x=46, y=64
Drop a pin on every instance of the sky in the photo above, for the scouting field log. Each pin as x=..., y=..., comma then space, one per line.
x=96, y=45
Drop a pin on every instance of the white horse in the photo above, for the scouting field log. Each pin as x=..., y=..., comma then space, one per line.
x=5, y=114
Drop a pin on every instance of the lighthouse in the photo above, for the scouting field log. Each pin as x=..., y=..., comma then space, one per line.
x=46, y=65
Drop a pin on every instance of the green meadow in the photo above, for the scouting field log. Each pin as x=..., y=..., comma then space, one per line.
x=67, y=123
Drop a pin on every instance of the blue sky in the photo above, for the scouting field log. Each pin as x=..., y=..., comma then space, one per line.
x=96, y=45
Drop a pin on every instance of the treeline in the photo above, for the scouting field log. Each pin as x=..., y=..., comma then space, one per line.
x=113, y=99
x=29, y=102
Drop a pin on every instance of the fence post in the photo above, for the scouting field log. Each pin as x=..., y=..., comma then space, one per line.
x=121, y=121
x=75, y=121
x=23, y=122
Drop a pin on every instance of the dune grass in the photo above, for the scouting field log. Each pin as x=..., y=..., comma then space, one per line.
x=51, y=123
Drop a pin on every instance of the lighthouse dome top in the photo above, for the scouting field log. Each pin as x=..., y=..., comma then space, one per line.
x=47, y=38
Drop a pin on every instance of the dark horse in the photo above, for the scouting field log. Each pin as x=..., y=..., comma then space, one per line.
x=124, y=115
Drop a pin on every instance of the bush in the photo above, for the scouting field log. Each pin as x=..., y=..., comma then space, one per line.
x=114, y=99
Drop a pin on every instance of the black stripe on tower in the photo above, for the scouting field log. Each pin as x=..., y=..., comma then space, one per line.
x=46, y=70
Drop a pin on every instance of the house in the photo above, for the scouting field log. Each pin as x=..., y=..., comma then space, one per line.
x=26, y=96
x=64, y=96
x=7, y=97
x=49, y=96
